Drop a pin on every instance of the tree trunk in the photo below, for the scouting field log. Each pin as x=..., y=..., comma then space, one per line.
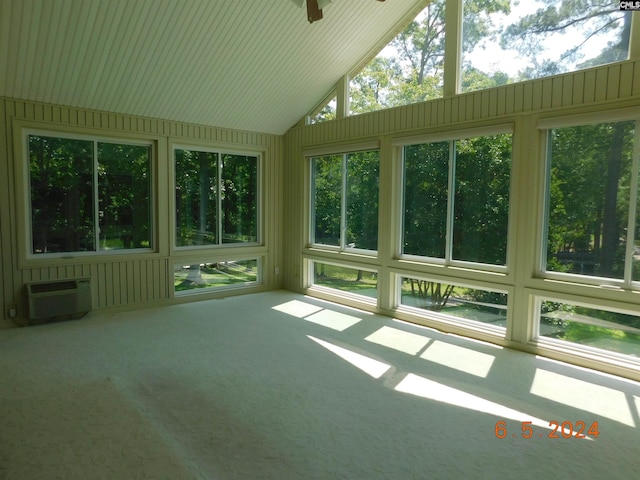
x=204, y=196
x=610, y=231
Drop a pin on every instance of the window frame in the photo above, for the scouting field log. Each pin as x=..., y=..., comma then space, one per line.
x=343, y=151
x=444, y=318
x=259, y=259
x=22, y=133
x=451, y=136
x=574, y=348
x=335, y=292
x=545, y=126
x=220, y=150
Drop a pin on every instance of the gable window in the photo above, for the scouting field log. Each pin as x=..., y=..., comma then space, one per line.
x=506, y=42
x=409, y=69
x=345, y=200
x=591, y=214
x=456, y=199
x=216, y=198
x=88, y=195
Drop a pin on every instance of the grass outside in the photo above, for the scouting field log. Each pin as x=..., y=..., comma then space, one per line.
x=345, y=279
x=213, y=275
x=462, y=302
x=591, y=331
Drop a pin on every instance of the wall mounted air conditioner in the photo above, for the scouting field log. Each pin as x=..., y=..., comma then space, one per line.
x=58, y=299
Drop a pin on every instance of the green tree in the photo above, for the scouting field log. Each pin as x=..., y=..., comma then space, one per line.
x=588, y=19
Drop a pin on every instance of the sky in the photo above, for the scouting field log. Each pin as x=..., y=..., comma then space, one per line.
x=490, y=57
x=511, y=62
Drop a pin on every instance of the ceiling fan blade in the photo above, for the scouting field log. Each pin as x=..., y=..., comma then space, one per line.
x=313, y=11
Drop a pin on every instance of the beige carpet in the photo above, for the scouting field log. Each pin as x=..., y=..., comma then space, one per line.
x=280, y=386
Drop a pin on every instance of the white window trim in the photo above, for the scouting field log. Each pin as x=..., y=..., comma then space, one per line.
x=545, y=126
x=336, y=150
x=220, y=150
x=26, y=132
x=574, y=348
x=448, y=136
x=208, y=290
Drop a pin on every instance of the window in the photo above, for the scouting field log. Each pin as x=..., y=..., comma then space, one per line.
x=201, y=277
x=345, y=200
x=350, y=280
x=408, y=70
x=452, y=300
x=615, y=331
x=88, y=195
x=506, y=42
x=456, y=199
x=591, y=212
x=326, y=112
x=216, y=198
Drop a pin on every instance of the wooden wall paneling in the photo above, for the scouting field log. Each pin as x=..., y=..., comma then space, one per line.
x=505, y=100
x=7, y=296
x=589, y=86
x=447, y=111
x=484, y=104
x=492, y=102
x=601, y=84
x=613, y=82
x=469, y=106
x=149, y=284
x=136, y=275
x=635, y=81
x=577, y=92
x=566, y=91
x=557, y=88
x=547, y=93
x=626, y=80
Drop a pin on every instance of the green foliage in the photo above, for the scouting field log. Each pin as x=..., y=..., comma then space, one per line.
x=202, y=180
x=587, y=18
x=327, y=199
x=63, y=188
x=480, y=202
x=414, y=73
x=362, y=171
x=582, y=237
x=213, y=275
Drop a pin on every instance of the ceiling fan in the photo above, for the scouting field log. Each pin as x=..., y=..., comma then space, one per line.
x=314, y=8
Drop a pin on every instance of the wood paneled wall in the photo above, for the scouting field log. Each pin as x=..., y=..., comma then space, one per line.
x=127, y=279
x=611, y=89
x=607, y=87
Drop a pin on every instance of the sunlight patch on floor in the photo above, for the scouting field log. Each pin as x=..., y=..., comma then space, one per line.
x=371, y=367
x=459, y=358
x=297, y=308
x=425, y=388
x=582, y=395
x=406, y=342
x=335, y=320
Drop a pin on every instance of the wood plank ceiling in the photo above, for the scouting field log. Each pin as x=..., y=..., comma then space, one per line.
x=255, y=65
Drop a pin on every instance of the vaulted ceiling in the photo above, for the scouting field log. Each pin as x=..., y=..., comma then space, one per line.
x=255, y=65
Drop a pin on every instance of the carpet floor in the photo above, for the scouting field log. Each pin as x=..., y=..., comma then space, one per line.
x=280, y=386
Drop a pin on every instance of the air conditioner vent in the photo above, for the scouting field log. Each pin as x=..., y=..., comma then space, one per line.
x=53, y=286
x=58, y=299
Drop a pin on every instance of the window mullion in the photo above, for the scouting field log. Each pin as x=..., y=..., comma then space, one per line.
x=448, y=254
x=219, y=199
x=96, y=199
x=633, y=205
x=343, y=204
